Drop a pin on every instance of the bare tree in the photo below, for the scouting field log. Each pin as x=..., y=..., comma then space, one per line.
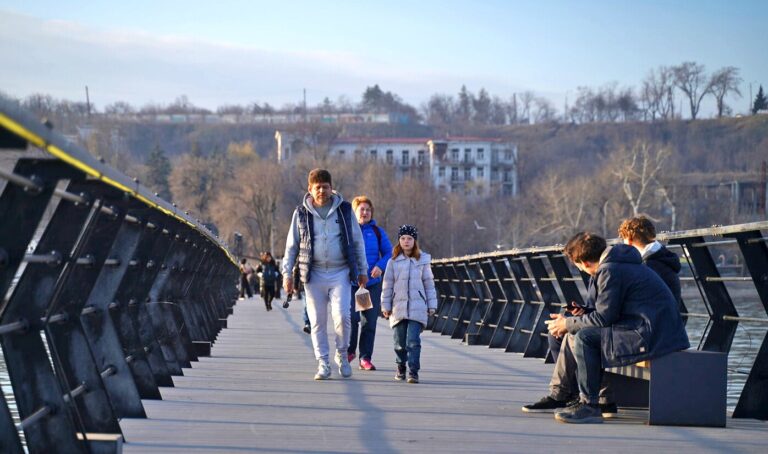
x=691, y=80
x=657, y=93
x=545, y=111
x=723, y=81
x=526, y=100
x=640, y=170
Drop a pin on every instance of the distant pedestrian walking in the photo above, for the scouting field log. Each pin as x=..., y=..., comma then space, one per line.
x=269, y=278
x=408, y=298
x=246, y=272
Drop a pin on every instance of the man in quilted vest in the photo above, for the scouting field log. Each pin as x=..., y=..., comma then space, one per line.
x=326, y=239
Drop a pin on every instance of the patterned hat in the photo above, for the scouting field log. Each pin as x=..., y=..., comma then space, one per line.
x=408, y=229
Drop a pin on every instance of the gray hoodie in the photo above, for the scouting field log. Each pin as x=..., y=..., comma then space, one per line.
x=327, y=254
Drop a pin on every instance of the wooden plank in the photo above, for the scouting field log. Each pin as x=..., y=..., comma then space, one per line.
x=255, y=393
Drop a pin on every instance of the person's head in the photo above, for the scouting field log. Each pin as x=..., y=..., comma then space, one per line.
x=266, y=257
x=363, y=208
x=407, y=242
x=584, y=250
x=243, y=261
x=320, y=186
x=637, y=231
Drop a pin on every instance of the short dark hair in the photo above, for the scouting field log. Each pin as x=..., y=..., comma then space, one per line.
x=585, y=247
x=243, y=261
x=319, y=176
x=638, y=229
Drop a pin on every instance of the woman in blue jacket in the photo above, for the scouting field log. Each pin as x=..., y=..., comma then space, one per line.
x=378, y=251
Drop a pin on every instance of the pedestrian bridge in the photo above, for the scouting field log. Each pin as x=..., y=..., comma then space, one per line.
x=119, y=330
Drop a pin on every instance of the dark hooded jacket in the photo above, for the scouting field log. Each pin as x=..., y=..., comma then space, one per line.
x=637, y=310
x=667, y=265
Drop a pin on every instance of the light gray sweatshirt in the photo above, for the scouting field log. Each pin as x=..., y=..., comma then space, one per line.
x=327, y=254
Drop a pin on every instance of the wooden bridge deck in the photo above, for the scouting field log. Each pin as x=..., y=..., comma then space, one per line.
x=256, y=394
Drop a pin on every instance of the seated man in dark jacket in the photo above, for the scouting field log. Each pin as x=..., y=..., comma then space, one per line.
x=641, y=233
x=635, y=319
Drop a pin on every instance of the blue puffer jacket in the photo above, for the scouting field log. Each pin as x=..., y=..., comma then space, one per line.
x=376, y=256
x=636, y=308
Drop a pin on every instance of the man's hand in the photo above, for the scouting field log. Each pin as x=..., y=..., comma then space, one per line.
x=430, y=312
x=556, y=326
x=376, y=272
x=288, y=284
x=576, y=311
x=362, y=279
x=385, y=314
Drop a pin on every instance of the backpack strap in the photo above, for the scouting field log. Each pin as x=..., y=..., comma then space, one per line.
x=378, y=235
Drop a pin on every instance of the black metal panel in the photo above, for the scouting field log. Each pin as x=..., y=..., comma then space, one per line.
x=720, y=333
x=444, y=296
x=526, y=317
x=753, y=402
x=511, y=308
x=458, y=300
x=35, y=385
x=537, y=347
x=468, y=297
x=481, y=304
x=101, y=331
x=495, y=302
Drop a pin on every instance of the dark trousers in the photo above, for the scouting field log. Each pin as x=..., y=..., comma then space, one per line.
x=268, y=293
x=586, y=350
x=245, y=286
x=366, y=321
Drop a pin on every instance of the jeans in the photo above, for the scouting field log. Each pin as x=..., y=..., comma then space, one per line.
x=555, y=344
x=306, y=315
x=407, y=335
x=563, y=385
x=245, y=286
x=329, y=287
x=586, y=351
x=367, y=321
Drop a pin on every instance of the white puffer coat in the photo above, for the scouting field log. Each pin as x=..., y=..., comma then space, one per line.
x=408, y=289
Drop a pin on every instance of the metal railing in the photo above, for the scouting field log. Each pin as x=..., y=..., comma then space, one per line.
x=116, y=292
x=502, y=299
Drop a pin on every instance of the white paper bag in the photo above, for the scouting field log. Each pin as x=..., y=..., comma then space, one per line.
x=362, y=299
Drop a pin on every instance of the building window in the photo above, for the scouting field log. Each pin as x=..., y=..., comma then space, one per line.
x=420, y=160
x=358, y=155
x=390, y=157
x=467, y=174
x=507, y=176
x=508, y=154
x=441, y=171
x=507, y=189
x=341, y=153
x=480, y=154
x=467, y=154
x=373, y=154
x=494, y=175
x=405, y=158
x=481, y=172
x=454, y=173
x=455, y=155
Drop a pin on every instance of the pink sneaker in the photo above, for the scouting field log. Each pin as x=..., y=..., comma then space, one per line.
x=350, y=357
x=366, y=364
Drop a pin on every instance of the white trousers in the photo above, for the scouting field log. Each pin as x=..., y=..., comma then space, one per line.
x=324, y=288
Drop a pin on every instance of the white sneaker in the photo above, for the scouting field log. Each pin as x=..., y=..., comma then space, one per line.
x=323, y=370
x=343, y=362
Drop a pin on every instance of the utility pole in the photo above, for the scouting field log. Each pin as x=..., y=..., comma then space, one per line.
x=305, y=105
x=88, y=102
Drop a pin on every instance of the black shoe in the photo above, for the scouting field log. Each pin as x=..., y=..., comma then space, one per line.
x=285, y=305
x=307, y=329
x=400, y=374
x=413, y=377
x=546, y=405
x=609, y=410
x=583, y=413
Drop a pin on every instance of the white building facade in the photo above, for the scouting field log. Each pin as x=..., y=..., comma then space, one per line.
x=470, y=165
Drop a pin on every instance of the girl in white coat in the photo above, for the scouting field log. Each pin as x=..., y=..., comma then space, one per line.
x=408, y=298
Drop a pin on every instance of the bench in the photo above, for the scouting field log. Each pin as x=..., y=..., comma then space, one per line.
x=685, y=388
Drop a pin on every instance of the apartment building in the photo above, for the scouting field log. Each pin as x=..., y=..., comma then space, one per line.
x=471, y=165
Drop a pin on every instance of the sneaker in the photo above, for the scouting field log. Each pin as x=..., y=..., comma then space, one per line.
x=400, y=374
x=608, y=410
x=323, y=370
x=350, y=357
x=307, y=329
x=345, y=370
x=366, y=364
x=413, y=377
x=546, y=405
x=286, y=304
x=583, y=413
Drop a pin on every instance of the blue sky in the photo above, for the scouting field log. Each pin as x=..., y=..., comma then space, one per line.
x=230, y=51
